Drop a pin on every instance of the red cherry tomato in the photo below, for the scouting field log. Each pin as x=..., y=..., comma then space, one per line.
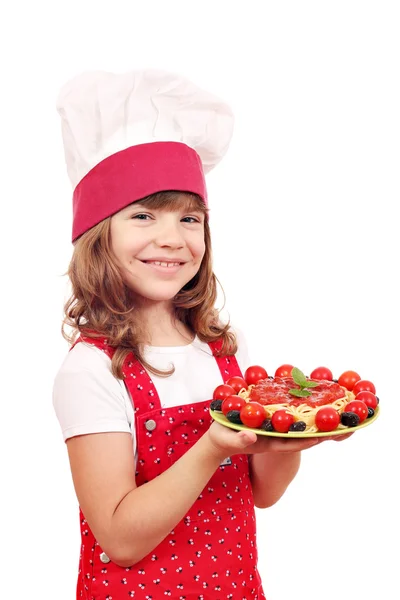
x=223, y=391
x=238, y=383
x=322, y=374
x=363, y=385
x=348, y=379
x=252, y=414
x=368, y=398
x=232, y=403
x=327, y=419
x=281, y=421
x=284, y=371
x=358, y=407
x=254, y=374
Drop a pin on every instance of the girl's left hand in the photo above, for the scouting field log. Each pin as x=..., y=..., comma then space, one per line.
x=281, y=444
x=339, y=438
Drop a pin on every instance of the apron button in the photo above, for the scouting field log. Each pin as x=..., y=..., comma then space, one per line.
x=104, y=558
x=150, y=425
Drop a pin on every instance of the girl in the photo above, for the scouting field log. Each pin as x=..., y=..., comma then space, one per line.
x=166, y=496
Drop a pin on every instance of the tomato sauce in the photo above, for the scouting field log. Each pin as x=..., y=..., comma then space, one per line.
x=276, y=391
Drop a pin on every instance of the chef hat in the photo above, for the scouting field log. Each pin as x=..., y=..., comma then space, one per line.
x=133, y=134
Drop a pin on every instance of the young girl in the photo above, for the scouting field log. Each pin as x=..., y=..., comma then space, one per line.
x=166, y=496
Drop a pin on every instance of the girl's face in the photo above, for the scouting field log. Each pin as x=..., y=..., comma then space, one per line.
x=159, y=250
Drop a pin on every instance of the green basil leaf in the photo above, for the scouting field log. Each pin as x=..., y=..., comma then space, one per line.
x=310, y=384
x=298, y=377
x=299, y=393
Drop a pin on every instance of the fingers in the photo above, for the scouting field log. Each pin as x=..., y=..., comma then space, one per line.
x=340, y=438
x=246, y=438
x=229, y=441
x=292, y=445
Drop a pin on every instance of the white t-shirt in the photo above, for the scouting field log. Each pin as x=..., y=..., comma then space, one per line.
x=87, y=398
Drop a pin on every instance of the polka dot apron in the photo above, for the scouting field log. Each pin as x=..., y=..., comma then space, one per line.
x=212, y=552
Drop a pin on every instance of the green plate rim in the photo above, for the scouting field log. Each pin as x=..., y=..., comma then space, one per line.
x=293, y=434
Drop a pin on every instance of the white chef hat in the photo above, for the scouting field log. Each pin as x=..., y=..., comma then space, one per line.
x=133, y=134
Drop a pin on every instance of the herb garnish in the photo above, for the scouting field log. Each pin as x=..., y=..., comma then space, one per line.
x=302, y=382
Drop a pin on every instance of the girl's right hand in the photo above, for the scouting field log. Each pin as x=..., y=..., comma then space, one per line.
x=227, y=442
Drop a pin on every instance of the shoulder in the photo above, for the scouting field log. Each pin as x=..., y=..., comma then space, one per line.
x=84, y=354
x=83, y=362
x=87, y=398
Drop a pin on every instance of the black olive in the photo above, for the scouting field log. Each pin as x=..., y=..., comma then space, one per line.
x=234, y=416
x=267, y=425
x=349, y=419
x=216, y=405
x=298, y=426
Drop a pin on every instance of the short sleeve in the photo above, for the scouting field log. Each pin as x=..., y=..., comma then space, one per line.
x=87, y=398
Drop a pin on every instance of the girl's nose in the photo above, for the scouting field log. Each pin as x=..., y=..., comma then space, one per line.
x=169, y=235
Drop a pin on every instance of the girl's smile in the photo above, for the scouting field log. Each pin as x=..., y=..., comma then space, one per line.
x=164, y=268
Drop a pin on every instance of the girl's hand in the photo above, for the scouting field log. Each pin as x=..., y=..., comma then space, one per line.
x=227, y=442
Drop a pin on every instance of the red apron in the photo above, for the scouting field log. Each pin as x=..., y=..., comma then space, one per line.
x=212, y=552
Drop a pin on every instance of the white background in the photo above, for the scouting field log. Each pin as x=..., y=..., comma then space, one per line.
x=306, y=246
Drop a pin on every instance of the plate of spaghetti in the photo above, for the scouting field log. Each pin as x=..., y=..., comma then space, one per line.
x=222, y=419
x=294, y=406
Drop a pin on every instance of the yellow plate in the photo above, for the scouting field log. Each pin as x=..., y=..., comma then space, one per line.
x=220, y=418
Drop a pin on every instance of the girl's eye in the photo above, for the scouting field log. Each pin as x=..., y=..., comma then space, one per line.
x=141, y=217
x=190, y=220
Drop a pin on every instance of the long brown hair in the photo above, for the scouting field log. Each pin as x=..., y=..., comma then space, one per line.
x=102, y=305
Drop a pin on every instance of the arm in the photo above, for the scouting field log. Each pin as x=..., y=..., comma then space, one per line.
x=270, y=475
x=129, y=521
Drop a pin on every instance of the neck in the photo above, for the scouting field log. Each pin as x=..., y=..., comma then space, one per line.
x=161, y=326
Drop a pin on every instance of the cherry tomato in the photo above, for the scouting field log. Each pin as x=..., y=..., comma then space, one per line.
x=322, y=373
x=252, y=414
x=223, y=391
x=284, y=371
x=327, y=419
x=232, y=403
x=358, y=407
x=254, y=374
x=348, y=379
x=281, y=421
x=368, y=398
x=238, y=383
x=363, y=385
